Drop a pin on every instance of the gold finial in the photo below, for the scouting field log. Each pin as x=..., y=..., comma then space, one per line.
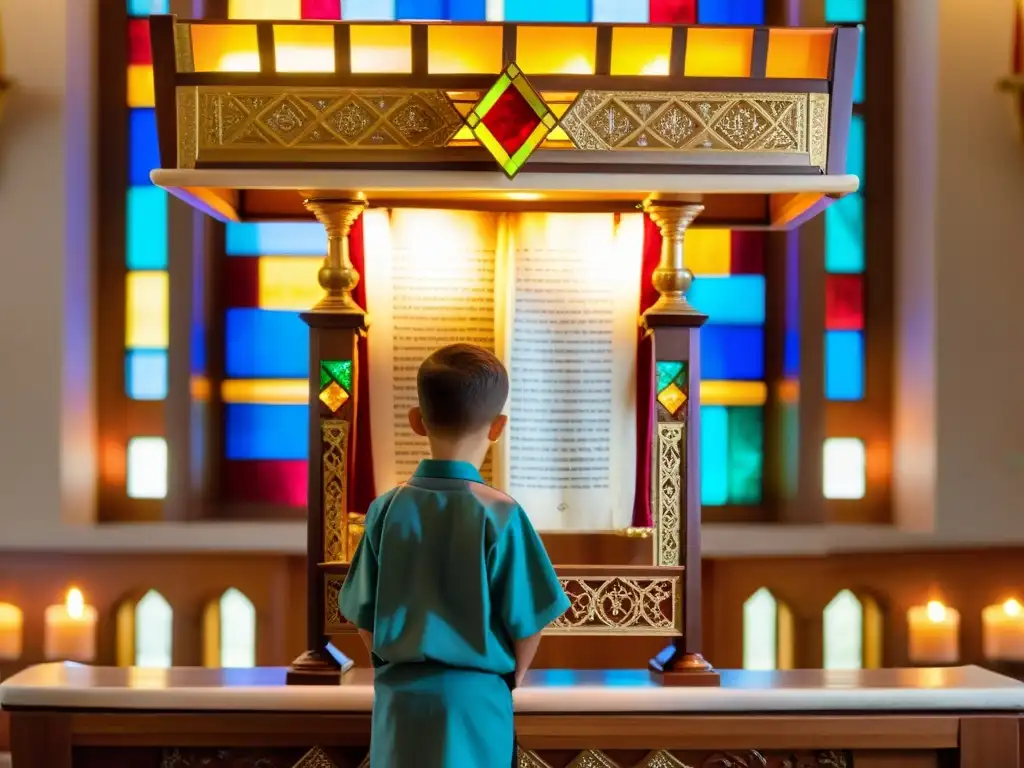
x=671, y=278
x=337, y=276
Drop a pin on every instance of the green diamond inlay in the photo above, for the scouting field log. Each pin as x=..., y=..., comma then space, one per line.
x=336, y=370
x=670, y=372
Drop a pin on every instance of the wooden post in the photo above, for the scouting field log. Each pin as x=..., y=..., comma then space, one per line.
x=675, y=326
x=332, y=532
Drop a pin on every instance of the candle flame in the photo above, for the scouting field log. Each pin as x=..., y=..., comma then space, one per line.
x=75, y=603
x=936, y=611
x=1012, y=608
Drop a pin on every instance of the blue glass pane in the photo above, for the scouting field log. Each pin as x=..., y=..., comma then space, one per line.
x=844, y=235
x=714, y=455
x=146, y=7
x=637, y=11
x=276, y=239
x=855, y=148
x=858, y=76
x=547, y=10
x=146, y=374
x=844, y=365
x=197, y=359
x=382, y=10
x=729, y=352
x=145, y=156
x=451, y=10
x=734, y=300
x=791, y=354
x=730, y=11
x=843, y=10
x=265, y=344
x=266, y=431
x=146, y=246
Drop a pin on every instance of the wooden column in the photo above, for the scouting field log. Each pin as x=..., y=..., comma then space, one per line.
x=675, y=326
x=333, y=532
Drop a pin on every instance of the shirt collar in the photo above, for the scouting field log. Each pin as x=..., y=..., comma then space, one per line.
x=448, y=470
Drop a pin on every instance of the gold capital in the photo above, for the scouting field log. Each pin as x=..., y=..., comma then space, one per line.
x=671, y=278
x=337, y=276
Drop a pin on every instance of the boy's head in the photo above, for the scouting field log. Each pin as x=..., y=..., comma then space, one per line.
x=462, y=389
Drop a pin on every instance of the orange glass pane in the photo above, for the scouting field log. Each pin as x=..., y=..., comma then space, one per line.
x=225, y=48
x=378, y=48
x=799, y=53
x=543, y=50
x=140, y=85
x=264, y=9
x=304, y=47
x=458, y=49
x=718, y=51
x=641, y=50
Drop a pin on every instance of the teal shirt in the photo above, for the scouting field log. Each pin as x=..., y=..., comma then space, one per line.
x=450, y=571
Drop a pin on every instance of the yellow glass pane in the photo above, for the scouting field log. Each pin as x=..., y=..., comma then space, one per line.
x=264, y=9
x=641, y=50
x=140, y=85
x=465, y=133
x=146, y=309
x=381, y=48
x=718, y=51
x=799, y=53
x=225, y=48
x=543, y=50
x=733, y=392
x=708, y=251
x=458, y=49
x=265, y=391
x=289, y=282
x=304, y=47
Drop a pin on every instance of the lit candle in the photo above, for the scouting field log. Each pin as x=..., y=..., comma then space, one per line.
x=70, y=630
x=10, y=632
x=1003, y=631
x=934, y=634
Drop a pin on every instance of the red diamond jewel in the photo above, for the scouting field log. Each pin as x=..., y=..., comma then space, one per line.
x=511, y=120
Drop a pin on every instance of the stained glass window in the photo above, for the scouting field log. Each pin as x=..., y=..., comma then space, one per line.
x=147, y=468
x=154, y=631
x=760, y=631
x=843, y=632
x=237, y=630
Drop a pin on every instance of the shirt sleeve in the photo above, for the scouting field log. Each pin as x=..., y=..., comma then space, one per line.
x=357, y=600
x=525, y=588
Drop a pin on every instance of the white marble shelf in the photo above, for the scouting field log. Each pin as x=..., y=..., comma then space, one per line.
x=556, y=691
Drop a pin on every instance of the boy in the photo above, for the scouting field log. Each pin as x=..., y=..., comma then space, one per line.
x=450, y=586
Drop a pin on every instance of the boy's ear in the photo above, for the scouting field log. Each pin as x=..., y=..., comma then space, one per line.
x=416, y=421
x=497, y=427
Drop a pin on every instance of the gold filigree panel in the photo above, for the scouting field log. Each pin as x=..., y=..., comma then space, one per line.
x=333, y=620
x=315, y=758
x=746, y=758
x=669, y=484
x=263, y=118
x=334, y=479
x=621, y=605
x=729, y=122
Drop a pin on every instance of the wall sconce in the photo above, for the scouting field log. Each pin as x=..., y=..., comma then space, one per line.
x=1014, y=83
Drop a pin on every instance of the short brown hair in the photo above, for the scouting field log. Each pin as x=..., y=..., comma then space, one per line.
x=461, y=387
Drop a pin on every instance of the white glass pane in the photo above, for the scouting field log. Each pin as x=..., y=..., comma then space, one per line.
x=147, y=468
x=154, y=631
x=760, y=631
x=844, y=632
x=843, y=471
x=237, y=630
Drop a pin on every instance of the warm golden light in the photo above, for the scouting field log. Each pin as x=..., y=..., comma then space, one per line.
x=459, y=49
x=1012, y=608
x=718, y=52
x=641, y=50
x=524, y=196
x=543, y=50
x=933, y=634
x=146, y=310
x=799, y=53
x=11, y=622
x=225, y=48
x=75, y=603
x=265, y=391
x=936, y=611
x=380, y=48
x=303, y=48
x=1002, y=631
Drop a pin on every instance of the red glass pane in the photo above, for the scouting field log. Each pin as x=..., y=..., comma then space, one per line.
x=241, y=281
x=321, y=9
x=844, y=302
x=511, y=120
x=747, y=256
x=279, y=482
x=673, y=11
x=139, y=51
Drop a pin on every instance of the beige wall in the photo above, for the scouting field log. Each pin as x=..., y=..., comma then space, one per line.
x=960, y=423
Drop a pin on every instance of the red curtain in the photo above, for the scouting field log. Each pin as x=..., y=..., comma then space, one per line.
x=360, y=468
x=645, y=380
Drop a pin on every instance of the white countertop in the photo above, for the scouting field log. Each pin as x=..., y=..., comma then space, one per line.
x=262, y=689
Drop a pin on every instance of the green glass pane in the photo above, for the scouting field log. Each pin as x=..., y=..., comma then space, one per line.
x=325, y=378
x=746, y=454
x=492, y=96
x=844, y=236
x=667, y=371
x=340, y=371
x=848, y=11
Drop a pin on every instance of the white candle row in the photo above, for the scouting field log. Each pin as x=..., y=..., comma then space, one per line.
x=934, y=633
x=70, y=630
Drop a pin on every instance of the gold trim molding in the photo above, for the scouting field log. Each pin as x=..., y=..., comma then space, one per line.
x=661, y=758
x=334, y=437
x=621, y=605
x=717, y=122
x=669, y=485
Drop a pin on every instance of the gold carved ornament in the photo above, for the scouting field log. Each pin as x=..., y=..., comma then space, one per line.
x=334, y=622
x=620, y=605
x=669, y=466
x=334, y=436
x=747, y=758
